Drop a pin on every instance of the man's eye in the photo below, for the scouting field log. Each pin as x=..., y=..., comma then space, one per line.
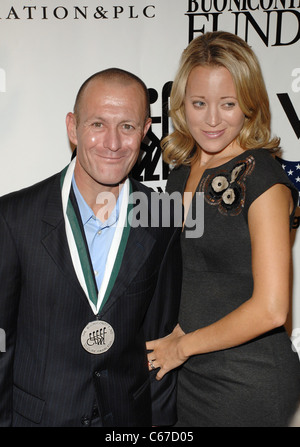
x=127, y=126
x=97, y=125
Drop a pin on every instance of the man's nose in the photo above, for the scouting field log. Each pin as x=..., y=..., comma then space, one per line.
x=112, y=140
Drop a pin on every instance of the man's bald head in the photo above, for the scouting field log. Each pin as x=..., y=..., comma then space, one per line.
x=113, y=75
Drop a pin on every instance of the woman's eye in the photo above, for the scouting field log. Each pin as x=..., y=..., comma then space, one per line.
x=198, y=104
x=229, y=105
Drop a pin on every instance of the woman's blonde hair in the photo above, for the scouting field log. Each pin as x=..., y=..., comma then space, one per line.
x=227, y=50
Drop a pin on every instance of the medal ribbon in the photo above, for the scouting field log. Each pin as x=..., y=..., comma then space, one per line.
x=78, y=249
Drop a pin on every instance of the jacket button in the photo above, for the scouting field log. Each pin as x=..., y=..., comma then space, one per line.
x=97, y=374
x=85, y=421
x=95, y=413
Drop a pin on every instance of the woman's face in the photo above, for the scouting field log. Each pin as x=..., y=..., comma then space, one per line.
x=212, y=111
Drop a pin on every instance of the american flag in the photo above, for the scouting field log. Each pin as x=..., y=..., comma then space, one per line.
x=292, y=169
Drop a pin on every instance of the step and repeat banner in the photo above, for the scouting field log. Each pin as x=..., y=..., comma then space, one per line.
x=49, y=47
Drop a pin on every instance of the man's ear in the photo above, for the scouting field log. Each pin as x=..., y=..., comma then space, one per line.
x=71, y=127
x=146, y=127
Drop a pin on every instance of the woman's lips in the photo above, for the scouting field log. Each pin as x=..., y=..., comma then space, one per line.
x=214, y=134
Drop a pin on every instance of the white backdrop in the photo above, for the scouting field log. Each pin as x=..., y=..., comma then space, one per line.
x=48, y=48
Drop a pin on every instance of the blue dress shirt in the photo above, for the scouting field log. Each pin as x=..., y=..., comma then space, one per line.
x=99, y=235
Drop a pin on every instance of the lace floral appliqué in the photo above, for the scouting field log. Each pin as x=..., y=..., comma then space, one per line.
x=227, y=188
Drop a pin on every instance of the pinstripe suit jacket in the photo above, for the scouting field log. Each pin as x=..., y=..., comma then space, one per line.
x=46, y=377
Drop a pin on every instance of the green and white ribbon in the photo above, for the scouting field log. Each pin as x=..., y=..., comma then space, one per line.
x=77, y=245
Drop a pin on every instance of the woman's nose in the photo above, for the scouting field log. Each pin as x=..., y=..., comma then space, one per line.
x=213, y=116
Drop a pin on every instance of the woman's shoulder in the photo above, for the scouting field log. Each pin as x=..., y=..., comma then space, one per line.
x=260, y=167
x=267, y=172
x=260, y=159
x=177, y=178
x=266, y=168
x=237, y=183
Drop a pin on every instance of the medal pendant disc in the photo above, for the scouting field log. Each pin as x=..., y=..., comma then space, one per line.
x=97, y=337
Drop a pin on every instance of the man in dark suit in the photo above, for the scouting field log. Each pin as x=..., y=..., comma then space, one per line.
x=80, y=290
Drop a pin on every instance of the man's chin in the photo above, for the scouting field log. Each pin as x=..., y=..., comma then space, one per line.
x=113, y=183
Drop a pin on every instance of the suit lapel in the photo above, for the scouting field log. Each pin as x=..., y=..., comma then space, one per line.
x=55, y=240
x=139, y=244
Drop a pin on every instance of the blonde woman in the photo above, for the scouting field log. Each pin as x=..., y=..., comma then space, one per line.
x=236, y=364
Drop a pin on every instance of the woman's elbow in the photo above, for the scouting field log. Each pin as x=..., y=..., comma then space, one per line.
x=273, y=308
x=279, y=320
x=277, y=316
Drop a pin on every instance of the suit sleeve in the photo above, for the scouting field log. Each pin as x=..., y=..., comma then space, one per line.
x=161, y=318
x=9, y=299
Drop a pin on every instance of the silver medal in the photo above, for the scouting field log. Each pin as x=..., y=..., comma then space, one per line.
x=97, y=337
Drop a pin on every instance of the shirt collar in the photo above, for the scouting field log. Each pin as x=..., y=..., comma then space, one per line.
x=87, y=213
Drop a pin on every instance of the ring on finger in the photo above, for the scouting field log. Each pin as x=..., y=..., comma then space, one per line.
x=151, y=364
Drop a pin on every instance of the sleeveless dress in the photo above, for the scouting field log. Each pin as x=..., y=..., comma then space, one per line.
x=257, y=383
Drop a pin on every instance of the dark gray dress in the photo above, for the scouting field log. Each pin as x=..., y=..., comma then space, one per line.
x=257, y=383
